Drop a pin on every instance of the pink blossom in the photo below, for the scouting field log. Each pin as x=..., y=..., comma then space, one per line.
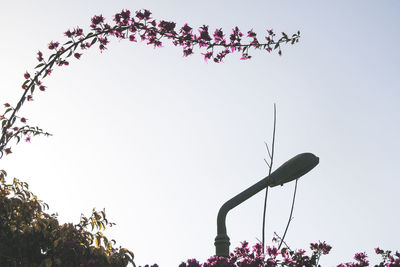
x=40, y=56
x=207, y=56
x=53, y=45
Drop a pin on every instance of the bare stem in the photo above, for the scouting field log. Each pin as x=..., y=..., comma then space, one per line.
x=269, y=153
x=271, y=156
x=290, y=216
x=280, y=239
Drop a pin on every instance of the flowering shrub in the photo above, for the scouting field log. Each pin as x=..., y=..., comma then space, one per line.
x=244, y=257
x=138, y=26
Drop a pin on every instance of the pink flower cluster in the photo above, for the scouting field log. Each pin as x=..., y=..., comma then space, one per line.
x=243, y=256
x=388, y=260
x=143, y=26
x=321, y=246
x=137, y=26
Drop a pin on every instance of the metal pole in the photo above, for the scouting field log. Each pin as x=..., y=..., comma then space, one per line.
x=290, y=170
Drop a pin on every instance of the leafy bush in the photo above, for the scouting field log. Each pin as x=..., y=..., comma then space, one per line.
x=31, y=237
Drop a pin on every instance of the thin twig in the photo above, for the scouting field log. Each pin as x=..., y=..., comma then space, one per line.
x=273, y=140
x=280, y=239
x=264, y=214
x=271, y=156
x=290, y=216
x=269, y=153
x=267, y=163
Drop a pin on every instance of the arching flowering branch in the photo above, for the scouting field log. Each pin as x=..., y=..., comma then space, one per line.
x=141, y=25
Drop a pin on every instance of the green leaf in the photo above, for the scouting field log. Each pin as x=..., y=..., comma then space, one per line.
x=39, y=65
x=98, y=241
x=93, y=41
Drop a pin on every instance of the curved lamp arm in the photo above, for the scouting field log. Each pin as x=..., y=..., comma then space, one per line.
x=290, y=170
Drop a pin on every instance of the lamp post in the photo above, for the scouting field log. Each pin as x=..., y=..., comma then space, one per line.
x=289, y=171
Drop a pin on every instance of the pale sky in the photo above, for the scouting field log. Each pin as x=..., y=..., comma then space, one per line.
x=162, y=141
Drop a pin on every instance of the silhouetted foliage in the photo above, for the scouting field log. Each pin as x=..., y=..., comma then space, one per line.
x=31, y=237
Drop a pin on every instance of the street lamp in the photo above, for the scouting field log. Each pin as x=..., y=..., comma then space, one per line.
x=289, y=171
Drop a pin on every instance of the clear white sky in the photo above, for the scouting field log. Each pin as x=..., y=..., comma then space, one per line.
x=163, y=141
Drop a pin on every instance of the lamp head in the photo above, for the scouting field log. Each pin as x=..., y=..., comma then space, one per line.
x=293, y=169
